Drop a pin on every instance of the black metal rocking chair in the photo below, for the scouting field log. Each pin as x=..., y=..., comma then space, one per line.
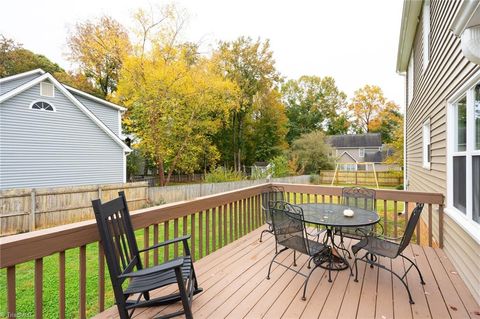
x=290, y=232
x=123, y=258
x=378, y=246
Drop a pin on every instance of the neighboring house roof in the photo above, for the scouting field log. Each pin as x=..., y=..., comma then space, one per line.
x=355, y=140
x=67, y=93
x=373, y=157
x=346, y=156
x=410, y=18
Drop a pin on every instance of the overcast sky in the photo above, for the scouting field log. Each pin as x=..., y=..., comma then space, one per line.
x=355, y=41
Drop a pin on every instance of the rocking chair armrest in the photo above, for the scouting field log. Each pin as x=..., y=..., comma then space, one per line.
x=169, y=265
x=165, y=243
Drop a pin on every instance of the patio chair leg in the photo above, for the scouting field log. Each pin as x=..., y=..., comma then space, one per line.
x=306, y=283
x=264, y=231
x=294, y=259
x=416, y=267
x=270, y=267
x=356, y=270
x=403, y=282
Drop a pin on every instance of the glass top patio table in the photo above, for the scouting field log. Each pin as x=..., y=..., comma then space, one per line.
x=331, y=215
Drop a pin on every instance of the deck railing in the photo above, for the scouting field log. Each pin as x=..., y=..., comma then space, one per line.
x=213, y=221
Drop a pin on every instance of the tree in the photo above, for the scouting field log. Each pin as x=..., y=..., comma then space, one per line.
x=15, y=59
x=268, y=128
x=396, y=147
x=99, y=47
x=387, y=123
x=311, y=151
x=368, y=106
x=78, y=81
x=175, y=104
x=250, y=65
x=314, y=103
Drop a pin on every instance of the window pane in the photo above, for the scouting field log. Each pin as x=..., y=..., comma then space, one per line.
x=476, y=187
x=476, y=112
x=459, y=183
x=461, y=125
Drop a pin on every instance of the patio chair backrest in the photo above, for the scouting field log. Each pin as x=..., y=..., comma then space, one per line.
x=412, y=223
x=117, y=236
x=273, y=195
x=289, y=226
x=360, y=197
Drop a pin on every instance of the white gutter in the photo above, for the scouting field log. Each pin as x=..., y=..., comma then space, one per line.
x=466, y=25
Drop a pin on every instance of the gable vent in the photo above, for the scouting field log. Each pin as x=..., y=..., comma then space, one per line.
x=47, y=89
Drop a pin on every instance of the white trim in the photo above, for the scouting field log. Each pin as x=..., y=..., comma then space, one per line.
x=345, y=152
x=21, y=75
x=410, y=15
x=465, y=220
x=94, y=98
x=69, y=95
x=426, y=34
x=120, y=134
x=51, y=104
x=42, y=89
x=361, y=152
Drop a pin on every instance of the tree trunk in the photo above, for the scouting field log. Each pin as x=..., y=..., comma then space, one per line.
x=161, y=172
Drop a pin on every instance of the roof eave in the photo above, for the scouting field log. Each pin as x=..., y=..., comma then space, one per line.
x=410, y=19
x=21, y=75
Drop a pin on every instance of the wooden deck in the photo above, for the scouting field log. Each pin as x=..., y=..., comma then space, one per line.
x=235, y=286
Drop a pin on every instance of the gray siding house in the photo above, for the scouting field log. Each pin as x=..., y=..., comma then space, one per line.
x=54, y=135
x=439, y=54
x=352, y=151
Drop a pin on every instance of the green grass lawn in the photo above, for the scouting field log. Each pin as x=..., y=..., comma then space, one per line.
x=25, y=271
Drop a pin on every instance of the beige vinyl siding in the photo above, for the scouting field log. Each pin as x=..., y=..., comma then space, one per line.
x=447, y=70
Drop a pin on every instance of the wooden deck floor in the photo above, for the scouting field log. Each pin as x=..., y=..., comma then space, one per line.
x=235, y=286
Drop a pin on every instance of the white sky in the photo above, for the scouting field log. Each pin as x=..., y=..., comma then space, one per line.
x=355, y=41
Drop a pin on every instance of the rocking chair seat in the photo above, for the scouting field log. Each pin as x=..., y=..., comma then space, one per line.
x=158, y=276
x=377, y=246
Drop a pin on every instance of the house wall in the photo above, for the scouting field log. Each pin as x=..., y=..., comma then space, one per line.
x=10, y=85
x=109, y=116
x=447, y=70
x=44, y=149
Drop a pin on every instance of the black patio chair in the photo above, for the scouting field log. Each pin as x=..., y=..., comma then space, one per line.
x=273, y=195
x=290, y=232
x=124, y=263
x=359, y=197
x=385, y=247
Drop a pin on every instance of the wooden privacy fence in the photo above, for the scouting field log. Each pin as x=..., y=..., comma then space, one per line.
x=367, y=178
x=213, y=221
x=27, y=209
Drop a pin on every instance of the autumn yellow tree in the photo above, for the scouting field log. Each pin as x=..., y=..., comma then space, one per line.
x=99, y=47
x=175, y=100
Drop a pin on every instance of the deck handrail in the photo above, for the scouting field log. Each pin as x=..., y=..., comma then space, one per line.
x=205, y=217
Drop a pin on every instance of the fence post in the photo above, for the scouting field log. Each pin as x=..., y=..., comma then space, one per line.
x=32, y=210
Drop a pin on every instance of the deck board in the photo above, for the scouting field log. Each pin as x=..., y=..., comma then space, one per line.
x=234, y=279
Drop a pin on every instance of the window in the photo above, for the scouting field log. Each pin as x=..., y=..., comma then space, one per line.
x=47, y=89
x=410, y=78
x=361, y=152
x=426, y=148
x=426, y=34
x=41, y=105
x=464, y=158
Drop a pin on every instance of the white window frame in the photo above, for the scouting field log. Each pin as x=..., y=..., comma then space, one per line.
x=464, y=220
x=44, y=83
x=361, y=152
x=426, y=142
x=42, y=110
x=426, y=34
